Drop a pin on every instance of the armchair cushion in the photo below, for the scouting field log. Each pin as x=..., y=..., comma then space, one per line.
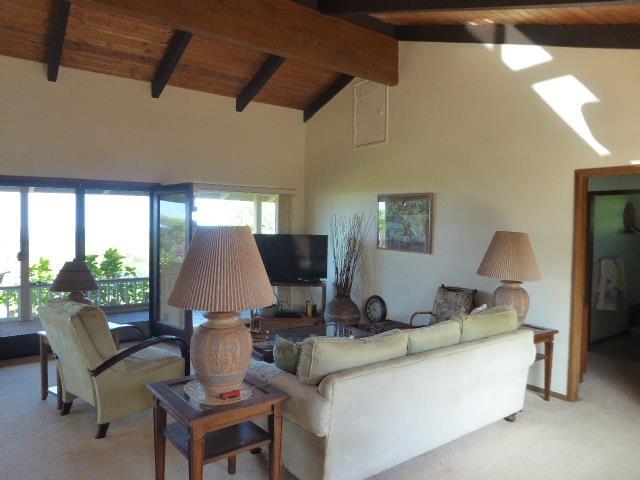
x=122, y=390
x=149, y=359
x=451, y=302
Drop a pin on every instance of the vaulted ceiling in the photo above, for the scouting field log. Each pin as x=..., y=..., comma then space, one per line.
x=295, y=54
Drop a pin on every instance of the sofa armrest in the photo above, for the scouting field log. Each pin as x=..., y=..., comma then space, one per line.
x=305, y=407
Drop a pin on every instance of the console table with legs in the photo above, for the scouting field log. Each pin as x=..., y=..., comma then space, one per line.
x=276, y=323
x=546, y=336
x=205, y=434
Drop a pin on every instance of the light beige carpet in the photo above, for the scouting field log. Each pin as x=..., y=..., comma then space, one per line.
x=596, y=438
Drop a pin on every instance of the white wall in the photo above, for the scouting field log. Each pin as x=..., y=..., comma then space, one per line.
x=468, y=128
x=95, y=126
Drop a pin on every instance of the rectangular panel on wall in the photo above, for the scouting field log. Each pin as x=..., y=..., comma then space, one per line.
x=370, y=119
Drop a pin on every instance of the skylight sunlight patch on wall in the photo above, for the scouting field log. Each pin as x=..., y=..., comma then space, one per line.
x=520, y=57
x=567, y=95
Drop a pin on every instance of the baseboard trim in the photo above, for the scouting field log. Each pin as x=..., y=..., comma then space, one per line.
x=552, y=393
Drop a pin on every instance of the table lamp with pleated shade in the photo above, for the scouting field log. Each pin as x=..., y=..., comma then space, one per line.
x=222, y=274
x=510, y=258
x=75, y=278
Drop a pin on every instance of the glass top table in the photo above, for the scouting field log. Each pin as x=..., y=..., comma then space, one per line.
x=264, y=350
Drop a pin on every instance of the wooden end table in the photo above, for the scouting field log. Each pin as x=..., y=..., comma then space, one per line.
x=205, y=434
x=45, y=389
x=546, y=336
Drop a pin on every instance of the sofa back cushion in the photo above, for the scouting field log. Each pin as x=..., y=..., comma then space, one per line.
x=322, y=356
x=489, y=322
x=440, y=335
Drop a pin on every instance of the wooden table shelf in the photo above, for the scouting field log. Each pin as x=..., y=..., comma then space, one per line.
x=205, y=434
x=222, y=443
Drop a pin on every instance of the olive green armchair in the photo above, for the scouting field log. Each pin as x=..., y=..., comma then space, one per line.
x=92, y=369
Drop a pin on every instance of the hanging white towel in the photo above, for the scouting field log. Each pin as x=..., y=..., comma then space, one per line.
x=608, y=285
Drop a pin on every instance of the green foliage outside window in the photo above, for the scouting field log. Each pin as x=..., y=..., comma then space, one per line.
x=110, y=267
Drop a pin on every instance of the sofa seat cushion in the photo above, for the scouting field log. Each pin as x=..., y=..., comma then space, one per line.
x=439, y=335
x=322, y=356
x=305, y=407
x=489, y=322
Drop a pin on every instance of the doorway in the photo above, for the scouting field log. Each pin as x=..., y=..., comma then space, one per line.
x=591, y=300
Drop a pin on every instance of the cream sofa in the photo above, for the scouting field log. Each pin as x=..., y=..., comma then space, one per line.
x=364, y=420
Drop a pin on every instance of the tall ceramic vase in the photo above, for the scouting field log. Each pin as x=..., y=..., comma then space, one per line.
x=342, y=310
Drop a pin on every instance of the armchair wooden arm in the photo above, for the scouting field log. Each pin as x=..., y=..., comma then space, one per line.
x=416, y=314
x=118, y=357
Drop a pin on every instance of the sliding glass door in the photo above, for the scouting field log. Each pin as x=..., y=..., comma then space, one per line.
x=116, y=248
x=10, y=248
x=38, y=236
x=51, y=240
x=47, y=222
x=172, y=208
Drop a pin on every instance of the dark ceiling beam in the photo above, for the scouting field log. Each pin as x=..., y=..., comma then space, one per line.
x=342, y=7
x=372, y=23
x=365, y=21
x=581, y=36
x=326, y=96
x=177, y=46
x=259, y=80
x=57, y=39
x=276, y=27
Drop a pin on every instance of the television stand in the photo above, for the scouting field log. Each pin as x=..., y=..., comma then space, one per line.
x=275, y=323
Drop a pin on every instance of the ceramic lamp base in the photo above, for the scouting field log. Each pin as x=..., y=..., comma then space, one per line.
x=221, y=353
x=79, y=297
x=511, y=294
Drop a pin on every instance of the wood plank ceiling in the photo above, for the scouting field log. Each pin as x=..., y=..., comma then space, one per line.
x=564, y=23
x=593, y=15
x=104, y=42
x=268, y=64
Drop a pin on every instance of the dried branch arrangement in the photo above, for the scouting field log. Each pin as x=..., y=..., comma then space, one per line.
x=348, y=237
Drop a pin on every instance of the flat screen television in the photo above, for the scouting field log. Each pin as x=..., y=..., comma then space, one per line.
x=293, y=258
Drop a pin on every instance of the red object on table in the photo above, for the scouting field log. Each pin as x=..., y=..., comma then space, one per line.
x=231, y=394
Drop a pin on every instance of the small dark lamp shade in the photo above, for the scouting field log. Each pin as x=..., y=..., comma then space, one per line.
x=74, y=277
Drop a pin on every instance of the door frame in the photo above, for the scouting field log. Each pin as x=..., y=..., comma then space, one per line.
x=581, y=271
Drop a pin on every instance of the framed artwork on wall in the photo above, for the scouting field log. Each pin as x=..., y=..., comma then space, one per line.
x=405, y=222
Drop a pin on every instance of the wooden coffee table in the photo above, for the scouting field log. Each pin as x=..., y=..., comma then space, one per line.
x=205, y=434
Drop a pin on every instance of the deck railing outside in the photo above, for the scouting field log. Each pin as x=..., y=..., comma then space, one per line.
x=113, y=294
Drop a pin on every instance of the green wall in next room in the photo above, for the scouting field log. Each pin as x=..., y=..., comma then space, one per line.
x=610, y=241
